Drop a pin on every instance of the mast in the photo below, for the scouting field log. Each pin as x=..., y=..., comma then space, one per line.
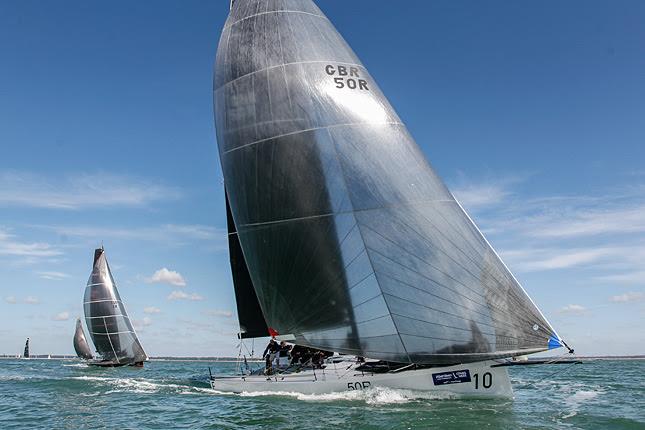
x=351, y=240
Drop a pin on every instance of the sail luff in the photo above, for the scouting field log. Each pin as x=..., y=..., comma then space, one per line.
x=352, y=241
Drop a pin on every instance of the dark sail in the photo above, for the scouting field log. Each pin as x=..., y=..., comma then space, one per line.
x=25, y=353
x=107, y=321
x=81, y=346
x=352, y=241
x=249, y=313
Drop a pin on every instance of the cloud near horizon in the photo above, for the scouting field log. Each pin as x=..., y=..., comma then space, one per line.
x=151, y=310
x=79, y=191
x=631, y=296
x=165, y=276
x=180, y=295
x=61, y=316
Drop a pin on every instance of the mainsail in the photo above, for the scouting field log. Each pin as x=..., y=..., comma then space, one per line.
x=352, y=242
x=25, y=353
x=106, y=319
x=249, y=314
x=81, y=346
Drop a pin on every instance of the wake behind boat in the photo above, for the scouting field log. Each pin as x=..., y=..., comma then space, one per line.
x=341, y=236
x=108, y=322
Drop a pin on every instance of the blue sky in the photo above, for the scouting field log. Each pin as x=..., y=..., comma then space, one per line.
x=533, y=113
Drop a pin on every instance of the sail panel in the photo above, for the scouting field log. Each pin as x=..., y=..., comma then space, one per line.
x=352, y=241
x=25, y=353
x=106, y=318
x=81, y=346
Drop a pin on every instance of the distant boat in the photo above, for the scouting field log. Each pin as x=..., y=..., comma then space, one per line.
x=342, y=237
x=107, y=320
x=82, y=348
x=25, y=354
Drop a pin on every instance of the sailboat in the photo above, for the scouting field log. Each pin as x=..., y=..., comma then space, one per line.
x=107, y=320
x=342, y=237
x=25, y=353
x=82, y=348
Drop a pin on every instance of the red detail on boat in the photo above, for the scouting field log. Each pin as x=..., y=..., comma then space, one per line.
x=273, y=333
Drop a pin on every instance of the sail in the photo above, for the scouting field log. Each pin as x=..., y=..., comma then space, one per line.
x=249, y=313
x=81, y=346
x=107, y=321
x=352, y=241
x=25, y=353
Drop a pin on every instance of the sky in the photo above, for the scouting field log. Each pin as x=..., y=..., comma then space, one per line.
x=532, y=112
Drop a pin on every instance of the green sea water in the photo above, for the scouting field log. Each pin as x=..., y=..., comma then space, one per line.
x=59, y=394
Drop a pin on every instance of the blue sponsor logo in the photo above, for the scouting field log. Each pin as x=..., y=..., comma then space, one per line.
x=456, y=377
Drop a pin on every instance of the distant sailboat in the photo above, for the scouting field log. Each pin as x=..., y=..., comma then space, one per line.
x=342, y=237
x=107, y=320
x=25, y=354
x=82, y=348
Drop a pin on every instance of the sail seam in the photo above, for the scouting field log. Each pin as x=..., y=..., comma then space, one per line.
x=230, y=25
x=349, y=124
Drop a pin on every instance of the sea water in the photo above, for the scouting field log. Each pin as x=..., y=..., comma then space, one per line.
x=66, y=394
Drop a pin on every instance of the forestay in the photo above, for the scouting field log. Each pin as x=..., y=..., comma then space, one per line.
x=352, y=241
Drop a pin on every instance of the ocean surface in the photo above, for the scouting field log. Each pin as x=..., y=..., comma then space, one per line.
x=65, y=394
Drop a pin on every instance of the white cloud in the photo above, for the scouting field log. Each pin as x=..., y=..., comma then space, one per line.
x=180, y=295
x=62, y=316
x=55, y=276
x=151, y=310
x=79, y=191
x=635, y=277
x=31, y=300
x=139, y=325
x=165, y=276
x=10, y=299
x=627, y=297
x=573, y=310
x=11, y=246
x=540, y=259
x=218, y=313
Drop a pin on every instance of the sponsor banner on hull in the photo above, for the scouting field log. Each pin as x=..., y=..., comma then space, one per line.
x=456, y=377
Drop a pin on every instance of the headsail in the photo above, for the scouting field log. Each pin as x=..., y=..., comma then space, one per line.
x=249, y=314
x=352, y=241
x=106, y=319
x=81, y=346
x=25, y=353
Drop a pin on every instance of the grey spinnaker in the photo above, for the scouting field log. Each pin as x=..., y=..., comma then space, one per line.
x=81, y=346
x=352, y=241
x=106, y=318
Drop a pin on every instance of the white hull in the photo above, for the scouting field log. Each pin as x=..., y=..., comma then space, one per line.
x=468, y=380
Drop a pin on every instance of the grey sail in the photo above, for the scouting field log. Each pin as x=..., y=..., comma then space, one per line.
x=81, y=346
x=249, y=313
x=106, y=318
x=25, y=353
x=352, y=241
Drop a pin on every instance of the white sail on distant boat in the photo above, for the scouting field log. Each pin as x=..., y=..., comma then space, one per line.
x=342, y=237
x=108, y=323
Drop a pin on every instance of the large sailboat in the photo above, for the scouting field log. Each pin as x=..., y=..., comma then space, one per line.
x=107, y=321
x=341, y=235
